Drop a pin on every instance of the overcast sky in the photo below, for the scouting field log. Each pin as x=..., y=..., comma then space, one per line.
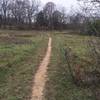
x=64, y=3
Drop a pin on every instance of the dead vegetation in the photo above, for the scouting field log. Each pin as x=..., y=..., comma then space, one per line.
x=78, y=72
x=14, y=40
x=82, y=76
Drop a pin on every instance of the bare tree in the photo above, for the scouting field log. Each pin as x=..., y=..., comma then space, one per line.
x=91, y=12
x=5, y=10
x=24, y=11
x=32, y=10
x=48, y=11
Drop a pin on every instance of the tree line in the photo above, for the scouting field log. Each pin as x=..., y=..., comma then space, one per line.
x=24, y=14
x=29, y=14
x=17, y=12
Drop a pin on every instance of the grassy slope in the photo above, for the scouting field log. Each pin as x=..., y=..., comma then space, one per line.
x=18, y=64
x=60, y=85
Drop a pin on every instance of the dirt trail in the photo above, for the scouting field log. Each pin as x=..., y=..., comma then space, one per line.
x=40, y=77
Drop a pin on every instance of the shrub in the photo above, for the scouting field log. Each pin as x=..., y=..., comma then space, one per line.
x=92, y=28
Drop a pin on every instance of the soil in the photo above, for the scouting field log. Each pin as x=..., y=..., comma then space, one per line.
x=41, y=75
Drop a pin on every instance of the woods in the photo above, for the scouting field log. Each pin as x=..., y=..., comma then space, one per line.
x=23, y=14
x=29, y=14
x=17, y=13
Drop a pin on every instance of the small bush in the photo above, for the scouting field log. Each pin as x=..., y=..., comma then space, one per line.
x=92, y=28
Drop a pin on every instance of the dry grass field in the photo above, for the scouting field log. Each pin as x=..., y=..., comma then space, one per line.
x=21, y=53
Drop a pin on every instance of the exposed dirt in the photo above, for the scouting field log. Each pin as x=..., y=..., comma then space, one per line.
x=41, y=74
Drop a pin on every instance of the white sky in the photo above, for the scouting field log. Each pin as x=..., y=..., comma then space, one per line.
x=63, y=3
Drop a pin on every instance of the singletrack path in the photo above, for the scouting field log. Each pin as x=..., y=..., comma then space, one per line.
x=41, y=74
